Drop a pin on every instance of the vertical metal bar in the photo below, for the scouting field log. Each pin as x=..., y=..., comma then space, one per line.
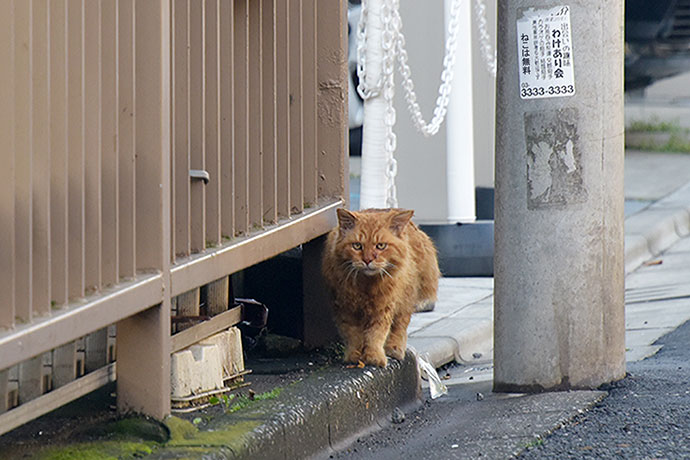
x=283, y=64
x=148, y=107
x=181, y=127
x=331, y=99
x=109, y=143
x=226, y=128
x=255, y=84
x=75, y=139
x=7, y=172
x=143, y=353
x=309, y=100
x=40, y=252
x=126, y=139
x=196, y=123
x=92, y=144
x=296, y=109
x=269, y=118
x=241, y=115
x=58, y=152
x=23, y=160
x=212, y=121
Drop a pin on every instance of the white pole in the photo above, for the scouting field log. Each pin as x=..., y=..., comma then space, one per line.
x=374, y=160
x=460, y=128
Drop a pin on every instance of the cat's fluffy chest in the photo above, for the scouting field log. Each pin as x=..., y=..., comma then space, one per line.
x=379, y=267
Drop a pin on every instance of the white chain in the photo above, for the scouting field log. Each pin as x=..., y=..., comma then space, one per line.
x=364, y=88
x=488, y=54
x=394, y=45
x=389, y=38
x=431, y=128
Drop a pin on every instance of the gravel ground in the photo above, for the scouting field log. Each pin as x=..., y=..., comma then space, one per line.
x=645, y=416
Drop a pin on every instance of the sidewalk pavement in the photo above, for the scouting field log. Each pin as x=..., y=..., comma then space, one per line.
x=657, y=212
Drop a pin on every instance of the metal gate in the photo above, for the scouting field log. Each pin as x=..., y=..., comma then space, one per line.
x=150, y=148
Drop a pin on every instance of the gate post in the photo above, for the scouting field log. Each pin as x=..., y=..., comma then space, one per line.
x=143, y=340
x=559, y=277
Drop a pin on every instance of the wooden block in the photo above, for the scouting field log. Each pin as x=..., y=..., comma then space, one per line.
x=30, y=379
x=46, y=373
x=112, y=343
x=3, y=390
x=187, y=305
x=217, y=296
x=12, y=387
x=81, y=356
x=64, y=364
x=96, y=350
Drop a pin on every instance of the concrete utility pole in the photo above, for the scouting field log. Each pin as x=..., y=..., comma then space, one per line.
x=559, y=308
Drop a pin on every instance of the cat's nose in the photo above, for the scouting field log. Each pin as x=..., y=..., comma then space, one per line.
x=369, y=259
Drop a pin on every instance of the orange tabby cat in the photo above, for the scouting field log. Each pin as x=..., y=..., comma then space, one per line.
x=381, y=268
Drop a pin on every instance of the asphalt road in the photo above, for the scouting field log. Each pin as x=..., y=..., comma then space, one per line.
x=471, y=422
x=645, y=416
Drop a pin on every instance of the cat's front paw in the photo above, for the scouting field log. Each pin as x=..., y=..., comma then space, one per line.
x=352, y=356
x=396, y=352
x=375, y=358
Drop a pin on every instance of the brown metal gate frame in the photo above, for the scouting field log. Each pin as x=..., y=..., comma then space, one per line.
x=107, y=106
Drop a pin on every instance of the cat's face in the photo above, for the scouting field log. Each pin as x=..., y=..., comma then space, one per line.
x=369, y=242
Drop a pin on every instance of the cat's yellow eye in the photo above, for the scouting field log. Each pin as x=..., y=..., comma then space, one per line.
x=357, y=246
x=381, y=246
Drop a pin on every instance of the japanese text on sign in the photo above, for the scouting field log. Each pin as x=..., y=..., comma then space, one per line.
x=545, y=53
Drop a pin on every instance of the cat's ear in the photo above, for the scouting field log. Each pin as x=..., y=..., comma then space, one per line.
x=399, y=220
x=346, y=219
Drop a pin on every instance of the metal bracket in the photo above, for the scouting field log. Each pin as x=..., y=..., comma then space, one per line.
x=199, y=174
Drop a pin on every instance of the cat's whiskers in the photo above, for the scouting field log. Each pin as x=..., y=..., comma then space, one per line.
x=346, y=263
x=351, y=269
x=383, y=270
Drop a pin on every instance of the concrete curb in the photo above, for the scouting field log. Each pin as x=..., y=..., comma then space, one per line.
x=469, y=346
x=654, y=229
x=311, y=418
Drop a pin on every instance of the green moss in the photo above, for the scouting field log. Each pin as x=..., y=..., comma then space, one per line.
x=180, y=429
x=534, y=443
x=103, y=450
x=655, y=125
x=138, y=428
x=658, y=136
x=676, y=143
x=245, y=401
x=184, y=433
